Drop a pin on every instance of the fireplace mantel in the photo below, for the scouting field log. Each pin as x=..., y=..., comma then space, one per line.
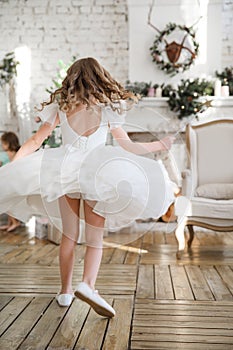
x=153, y=114
x=162, y=101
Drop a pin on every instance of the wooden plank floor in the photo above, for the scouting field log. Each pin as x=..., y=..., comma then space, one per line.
x=160, y=303
x=182, y=325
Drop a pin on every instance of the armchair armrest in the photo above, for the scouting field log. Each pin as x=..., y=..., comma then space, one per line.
x=186, y=183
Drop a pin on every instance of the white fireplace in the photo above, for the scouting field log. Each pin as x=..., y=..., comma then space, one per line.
x=152, y=119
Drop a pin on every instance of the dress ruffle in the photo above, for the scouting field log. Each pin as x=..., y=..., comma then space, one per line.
x=126, y=186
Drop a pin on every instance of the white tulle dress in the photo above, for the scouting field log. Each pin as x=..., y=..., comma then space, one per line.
x=124, y=186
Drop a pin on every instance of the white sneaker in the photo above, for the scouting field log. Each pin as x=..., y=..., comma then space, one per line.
x=90, y=296
x=64, y=299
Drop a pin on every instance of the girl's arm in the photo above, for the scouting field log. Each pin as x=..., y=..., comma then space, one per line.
x=121, y=136
x=35, y=142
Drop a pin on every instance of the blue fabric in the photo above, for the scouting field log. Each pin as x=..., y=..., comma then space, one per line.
x=4, y=159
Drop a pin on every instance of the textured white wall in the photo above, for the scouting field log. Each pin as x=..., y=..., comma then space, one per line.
x=44, y=31
x=49, y=30
x=214, y=34
x=227, y=33
x=58, y=29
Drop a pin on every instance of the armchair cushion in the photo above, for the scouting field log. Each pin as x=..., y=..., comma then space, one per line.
x=215, y=191
x=204, y=208
x=212, y=208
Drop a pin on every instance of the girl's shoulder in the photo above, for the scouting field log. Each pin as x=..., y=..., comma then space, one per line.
x=48, y=113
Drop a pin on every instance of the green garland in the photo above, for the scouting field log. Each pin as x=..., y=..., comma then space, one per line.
x=8, y=68
x=184, y=100
x=226, y=76
x=167, y=66
x=139, y=88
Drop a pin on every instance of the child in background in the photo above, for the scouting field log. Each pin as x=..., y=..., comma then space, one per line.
x=10, y=144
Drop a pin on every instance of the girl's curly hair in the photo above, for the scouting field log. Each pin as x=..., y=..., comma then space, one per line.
x=87, y=81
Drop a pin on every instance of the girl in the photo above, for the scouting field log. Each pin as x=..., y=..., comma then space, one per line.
x=10, y=144
x=115, y=183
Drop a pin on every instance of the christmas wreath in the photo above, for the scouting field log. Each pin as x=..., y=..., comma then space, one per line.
x=173, y=64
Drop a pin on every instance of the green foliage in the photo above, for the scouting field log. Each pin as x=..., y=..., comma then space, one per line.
x=184, y=99
x=8, y=68
x=52, y=141
x=140, y=88
x=226, y=76
x=166, y=90
x=61, y=74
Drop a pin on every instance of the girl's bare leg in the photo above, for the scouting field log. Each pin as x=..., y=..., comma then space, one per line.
x=69, y=209
x=94, y=230
x=85, y=291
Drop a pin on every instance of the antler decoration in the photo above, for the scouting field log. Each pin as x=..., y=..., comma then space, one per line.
x=149, y=17
x=173, y=49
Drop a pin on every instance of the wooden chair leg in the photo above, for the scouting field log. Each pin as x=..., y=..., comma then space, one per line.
x=180, y=236
x=191, y=235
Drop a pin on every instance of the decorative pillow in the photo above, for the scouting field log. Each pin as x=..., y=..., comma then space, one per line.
x=215, y=191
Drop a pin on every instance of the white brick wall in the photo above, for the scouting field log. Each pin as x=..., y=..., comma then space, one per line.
x=227, y=33
x=58, y=29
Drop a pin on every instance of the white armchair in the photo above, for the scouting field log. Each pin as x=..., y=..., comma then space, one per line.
x=207, y=186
